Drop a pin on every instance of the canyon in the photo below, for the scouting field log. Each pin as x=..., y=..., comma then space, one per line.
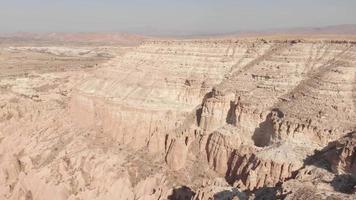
x=222, y=118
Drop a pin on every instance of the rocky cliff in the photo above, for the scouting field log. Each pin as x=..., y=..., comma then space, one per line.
x=255, y=108
x=186, y=119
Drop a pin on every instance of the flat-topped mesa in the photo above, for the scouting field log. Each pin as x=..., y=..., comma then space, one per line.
x=158, y=82
x=330, y=71
x=232, y=99
x=250, y=103
x=261, y=115
x=261, y=83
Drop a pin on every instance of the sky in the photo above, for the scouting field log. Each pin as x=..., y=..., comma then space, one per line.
x=171, y=17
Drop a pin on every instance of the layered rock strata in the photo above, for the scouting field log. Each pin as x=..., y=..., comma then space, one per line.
x=262, y=105
x=254, y=109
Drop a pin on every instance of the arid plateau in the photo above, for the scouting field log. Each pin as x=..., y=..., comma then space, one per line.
x=182, y=119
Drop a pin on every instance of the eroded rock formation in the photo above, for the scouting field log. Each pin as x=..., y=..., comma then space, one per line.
x=164, y=119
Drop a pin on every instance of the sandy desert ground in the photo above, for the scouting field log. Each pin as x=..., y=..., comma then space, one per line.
x=231, y=118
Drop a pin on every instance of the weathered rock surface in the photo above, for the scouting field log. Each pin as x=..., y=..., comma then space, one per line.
x=218, y=189
x=164, y=119
x=341, y=155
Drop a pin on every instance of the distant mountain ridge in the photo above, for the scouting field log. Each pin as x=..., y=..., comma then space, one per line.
x=345, y=29
x=97, y=37
x=133, y=39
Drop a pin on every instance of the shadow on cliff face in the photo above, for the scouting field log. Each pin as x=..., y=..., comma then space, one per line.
x=231, y=114
x=198, y=113
x=344, y=183
x=232, y=175
x=182, y=193
x=229, y=194
x=268, y=193
x=263, y=133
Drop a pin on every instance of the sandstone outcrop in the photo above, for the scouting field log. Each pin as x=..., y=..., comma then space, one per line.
x=218, y=189
x=164, y=119
x=341, y=156
x=317, y=183
x=278, y=139
x=177, y=154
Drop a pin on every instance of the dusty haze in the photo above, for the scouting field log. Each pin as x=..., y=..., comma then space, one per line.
x=177, y=100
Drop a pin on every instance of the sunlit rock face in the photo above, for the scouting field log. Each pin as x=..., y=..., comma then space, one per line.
x=258, y=108
x=183, y=119
x=152, y=88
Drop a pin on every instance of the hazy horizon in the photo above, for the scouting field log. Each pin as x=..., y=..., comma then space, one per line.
x=171, y=17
